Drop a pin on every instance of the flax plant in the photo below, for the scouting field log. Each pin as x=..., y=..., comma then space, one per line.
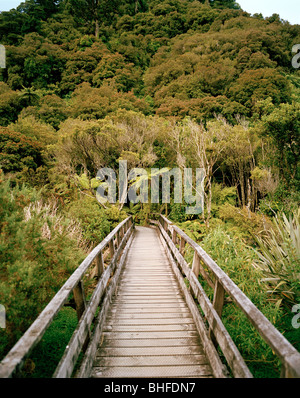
x=278, y=257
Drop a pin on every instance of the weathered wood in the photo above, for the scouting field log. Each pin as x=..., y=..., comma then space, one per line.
x=209, y=348
x=182, y=245
x=143, y=316
x=174, y=237
x=87, y=362
x=289, y=356
x=149, y=343
x=222, y=337
x=15, y=358
x=100, y=264
x=152, y=350
x=80, y=302
x=79, y=298
x=153, y=371
x=68, y=361
x=218, y=303
x=111, y=247
x=151, y=360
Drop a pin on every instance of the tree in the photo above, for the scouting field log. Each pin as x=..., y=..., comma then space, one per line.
x=256, y=85
x=29, y=97
x=18, y=151
x=9, y=105
x=283, y=127
x=224, y=4
x=93, y=11
x=200, y=147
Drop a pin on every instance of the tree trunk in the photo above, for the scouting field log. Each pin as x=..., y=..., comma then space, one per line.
x=97, y=29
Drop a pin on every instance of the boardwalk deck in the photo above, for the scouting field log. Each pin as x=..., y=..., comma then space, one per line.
x=149, y=331
x=142, y=320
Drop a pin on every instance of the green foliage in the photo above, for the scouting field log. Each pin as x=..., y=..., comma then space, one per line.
x=45, y=357
x=18, y=151
x=235, y=258
x=38, y=252
x=9, y=105
x=244, y=222
x=279, y=259
x=222, y=196
x=159, y=83
x=283, y=126
x=92, y=218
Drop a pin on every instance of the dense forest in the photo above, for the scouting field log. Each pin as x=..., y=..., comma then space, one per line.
x=161, y=84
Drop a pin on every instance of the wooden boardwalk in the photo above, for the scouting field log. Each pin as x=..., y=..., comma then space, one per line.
x=149, y=331
x=149, y=314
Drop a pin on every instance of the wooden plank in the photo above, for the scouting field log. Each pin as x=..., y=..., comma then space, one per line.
x=14, y=359
x=153, y=371
x=100, y=264
x=141, y=300
x=150, y=328
x=68, y=361
x=153, y=360
x=150, y=309
x=149, y=316
x=153, y=334
x=149, y=342
x=148, y=351
x=87, y=362
x=218, y=303
x=216, y=364
x=279, y=344
x=79, y=297
x=152, y=321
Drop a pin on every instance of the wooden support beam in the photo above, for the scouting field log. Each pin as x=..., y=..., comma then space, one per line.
x=100, y=264
x=111, y=247
x=218, y=303
x=182, y=246
x=174, y=237
x=79, y=298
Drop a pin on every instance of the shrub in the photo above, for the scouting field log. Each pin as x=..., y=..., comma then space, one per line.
x=279, y=259
x=236, y=259
x=92, y=218
x=244, y=222
x=38, y=252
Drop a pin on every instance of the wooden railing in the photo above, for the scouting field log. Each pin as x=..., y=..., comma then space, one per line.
x=82, y=340
x=176, y=242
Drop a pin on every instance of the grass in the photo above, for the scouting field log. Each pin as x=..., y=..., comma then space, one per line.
x=47, y=354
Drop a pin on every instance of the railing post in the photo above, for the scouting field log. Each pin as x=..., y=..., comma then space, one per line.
x=195, y=269
x=112, y=247
x=79, y=298
x=80, y=302
x=100, y=264
x=196, y=264
x=218, y=303
x=174, y=236
x=118, y=238
x=182, y=246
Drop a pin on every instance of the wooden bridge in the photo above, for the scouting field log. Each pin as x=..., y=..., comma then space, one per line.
x=148, y=315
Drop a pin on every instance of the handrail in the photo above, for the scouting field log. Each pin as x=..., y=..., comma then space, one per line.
x=116, y=240
x=289, y=356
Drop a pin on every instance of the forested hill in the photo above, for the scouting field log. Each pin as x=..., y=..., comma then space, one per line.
x=161, y=84
x=171, y=57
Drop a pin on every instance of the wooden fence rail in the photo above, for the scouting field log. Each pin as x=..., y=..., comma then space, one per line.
x=117, y=241
x=222, y=284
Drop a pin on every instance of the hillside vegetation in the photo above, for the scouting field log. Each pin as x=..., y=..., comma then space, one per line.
x=161, y=84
